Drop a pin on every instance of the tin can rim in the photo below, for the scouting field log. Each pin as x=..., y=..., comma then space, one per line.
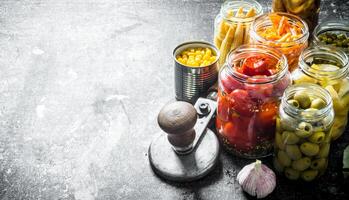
x=190, y=42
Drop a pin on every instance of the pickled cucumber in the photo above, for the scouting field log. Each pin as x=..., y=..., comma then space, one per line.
x=302, y=78
x=289, y=137
x=317, y=137
x=309, y=149
x=283, y=159
x=301, y=164
x=293, y=152
x=338, y=127
x=319, y=163
x=309, y=175
x=292, y=174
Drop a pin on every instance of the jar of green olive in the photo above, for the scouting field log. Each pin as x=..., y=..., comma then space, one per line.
x=327, y=67
x=302, y=138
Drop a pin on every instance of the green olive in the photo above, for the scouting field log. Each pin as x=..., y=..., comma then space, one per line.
x=309, y=149
x=324, y=151
x=301, y=164
x=327, y=137
x=278, y=125
x=293, y=152
x=304, y=130
x=302, y=98
x=293, y=102
x=278, y=166
x=278, y=141
x=292, y=174
x=317, y=137
x=289, y=137
x=283, y=158
x=319, y=163
x=286, y=125
x=309, y=175
x=318, y=103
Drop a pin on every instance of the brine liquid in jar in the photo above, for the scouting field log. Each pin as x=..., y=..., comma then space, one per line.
x=283, y=31
x=232, y=25
x=303, y=136
x=251, y=84
x=328, y=68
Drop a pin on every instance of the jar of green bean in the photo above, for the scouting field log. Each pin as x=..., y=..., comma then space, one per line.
x=302, y=138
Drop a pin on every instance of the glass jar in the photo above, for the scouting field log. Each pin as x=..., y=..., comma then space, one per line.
x=302, y=138
x=327, y=67
x=308, y=10
x=333, y=33
x=232, y=25
x=290, y=41
x=247, y=105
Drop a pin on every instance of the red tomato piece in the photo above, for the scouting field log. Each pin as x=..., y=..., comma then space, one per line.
x=241, y=102
x=245, y=138
x=219, y=125
x=259, y=91
x=229, y=83
x=255, y=65
x=223, y=107
x=266, y=117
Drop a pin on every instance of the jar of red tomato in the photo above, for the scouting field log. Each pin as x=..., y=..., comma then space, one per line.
x=251, y=84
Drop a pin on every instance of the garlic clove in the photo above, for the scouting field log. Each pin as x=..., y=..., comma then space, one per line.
x=257, y=179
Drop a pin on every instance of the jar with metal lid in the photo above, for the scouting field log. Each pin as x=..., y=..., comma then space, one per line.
x=327, y=67
x=333, y=33
x=250, y=86
x=232, y=25
x=308, y=10
x=302, y=138
x=283, y=31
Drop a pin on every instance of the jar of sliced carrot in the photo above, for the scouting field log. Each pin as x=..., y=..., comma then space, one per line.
x=308, y=10
x=284, y=31
x=232, y=25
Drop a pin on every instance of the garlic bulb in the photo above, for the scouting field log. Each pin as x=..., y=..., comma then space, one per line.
x=257, y=179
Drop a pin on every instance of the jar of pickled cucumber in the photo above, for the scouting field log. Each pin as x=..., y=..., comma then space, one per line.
x=328, y=68
x=250, y=86
x=334, y=33
x=302, y=138
x=283, y=31
x=232, y=24
x=308, y=10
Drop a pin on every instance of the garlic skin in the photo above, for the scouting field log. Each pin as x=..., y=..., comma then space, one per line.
x=257, y=179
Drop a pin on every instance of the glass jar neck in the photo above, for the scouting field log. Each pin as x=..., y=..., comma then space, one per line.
x=263, y=21
x=308, y=115
x=230, y=7
x=329, y=26
x=332, y=56
x=245, y=51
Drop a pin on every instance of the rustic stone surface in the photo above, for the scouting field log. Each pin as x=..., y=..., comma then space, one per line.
x=81, y=84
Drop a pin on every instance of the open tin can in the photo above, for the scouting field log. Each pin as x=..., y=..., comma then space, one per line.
x=194, y=82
